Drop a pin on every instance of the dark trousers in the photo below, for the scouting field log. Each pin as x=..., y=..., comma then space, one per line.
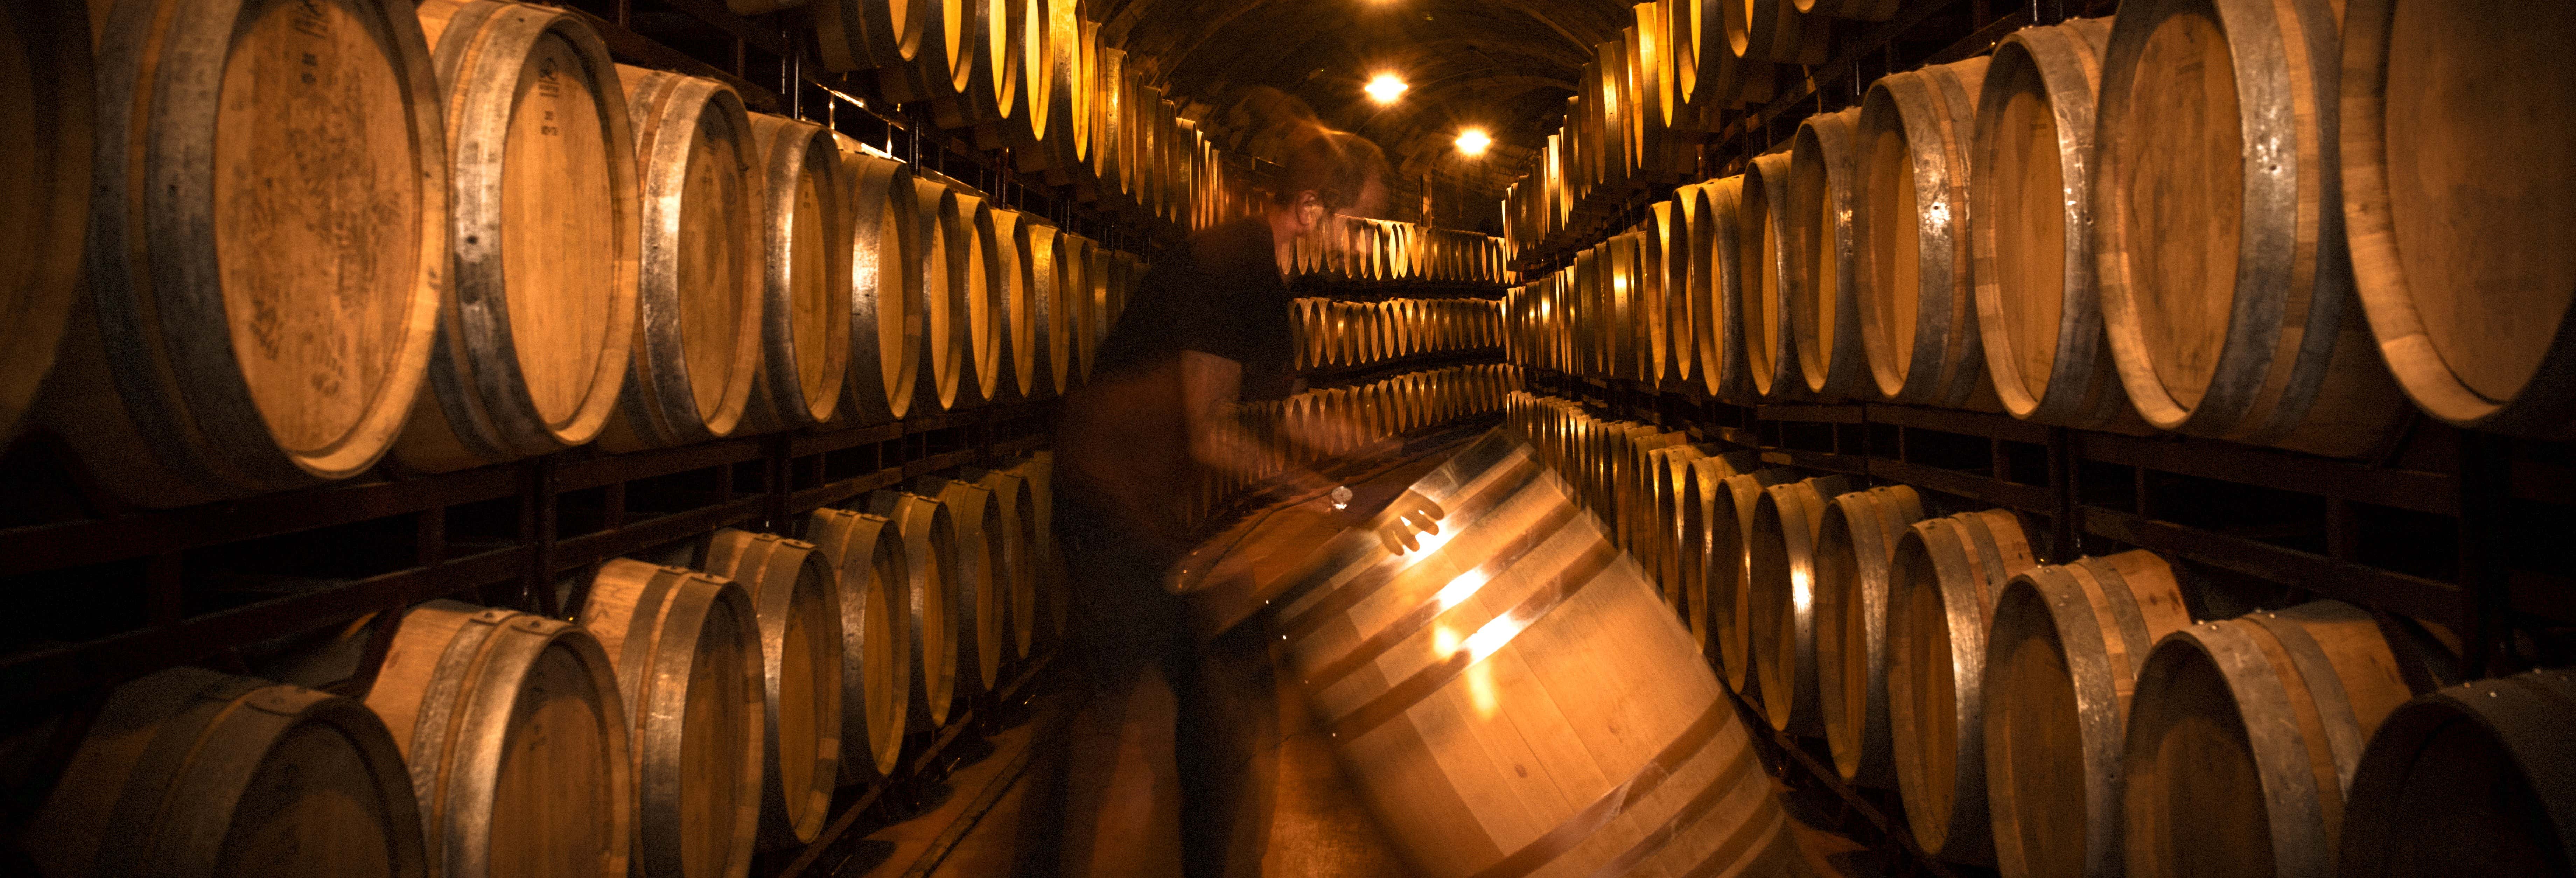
x=1127, y=624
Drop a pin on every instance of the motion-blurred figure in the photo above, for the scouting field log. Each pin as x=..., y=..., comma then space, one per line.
x=1208, y=327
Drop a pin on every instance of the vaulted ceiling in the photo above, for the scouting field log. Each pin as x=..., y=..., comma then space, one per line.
x=1504, y=65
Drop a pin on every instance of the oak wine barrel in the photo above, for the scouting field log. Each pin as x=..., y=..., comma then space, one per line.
x=1081, y=321
x=1056, y=88
x=1695, y=482
x=930, y=555
x=1126, y=272
x=49, y=167
x=261, y=309
x=1730, y=512
x=805, y=273
x=1026, y=97
x=686, y=648
x=2243, y=737
x=2459, y=195
x=1730, y=75
x=1863, y=10
x=1851, y=605
x=1654, y=309
x=1696, y=485
x=1767, y=260
x=1824, y=297
x=795, y=597
x=1684, y=38
x=1943, y=581
x=2218, y=235
x=1672, y=472
x=1632, y=499
x=1080, y=57
x=885, y=317
x=2038, y=316
x=983, y=71
x=863, y=34
x=876, y=636
x=1578, y=298
x=1618, y=109
x=933, y=255
x=1636, y=88
x=971, y=261
x=1719, y=316
x=533, y=342
x=1918, y=316
x=1054, y=596
x=2470, y=780
x=1686, y=281
x=1104, y=274
x=189, y=772
x=516, y=736
x=697, y=344
x=841, y=34
x=1420, y=664
x=1620, y=472
x=1775, y=31
x=2061, y=663
x=1641, y=529
x=1780, y=584
x=1016, y=503
x=1007, y=283
x=1037, y=332
x=919, y=68
x=1108, y=118
x=1651, y=71
x=980, y=592
x=1630, y=307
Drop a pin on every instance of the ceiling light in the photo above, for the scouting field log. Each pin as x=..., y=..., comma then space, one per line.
x=1472, y=142
x=1385, y=88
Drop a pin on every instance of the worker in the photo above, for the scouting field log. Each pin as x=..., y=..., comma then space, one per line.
x=1206, y=328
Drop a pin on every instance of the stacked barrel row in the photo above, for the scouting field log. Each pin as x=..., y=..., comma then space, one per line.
x=1314, y=426
x=1333, y=332
x=1036, y=76
x=528, y=250
x=688, y=719
x=1374, y=249
x=2210, y=219
x=1646, y=101
x=2067, y=719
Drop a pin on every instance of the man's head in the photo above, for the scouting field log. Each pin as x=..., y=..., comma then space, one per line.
x=1327, y=172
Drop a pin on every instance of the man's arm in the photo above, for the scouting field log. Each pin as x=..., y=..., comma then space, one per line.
x=1208, y=383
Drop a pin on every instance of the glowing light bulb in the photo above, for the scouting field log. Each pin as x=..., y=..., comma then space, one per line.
x=1385, y=88
x=1472, y=142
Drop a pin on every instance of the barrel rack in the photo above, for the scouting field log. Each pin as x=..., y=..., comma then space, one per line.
x=123, y=593
x=2257, y=528
x=1953, y=29
x=757, y=58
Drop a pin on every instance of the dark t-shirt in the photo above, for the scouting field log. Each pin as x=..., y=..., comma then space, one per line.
x=1220, y=295
x=1122, y=443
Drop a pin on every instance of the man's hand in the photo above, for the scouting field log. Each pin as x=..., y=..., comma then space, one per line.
x=1411, y=513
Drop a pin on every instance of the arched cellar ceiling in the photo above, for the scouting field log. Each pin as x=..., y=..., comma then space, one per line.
x=1505, y=65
